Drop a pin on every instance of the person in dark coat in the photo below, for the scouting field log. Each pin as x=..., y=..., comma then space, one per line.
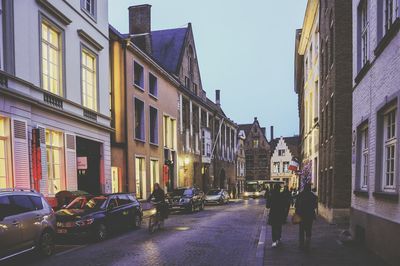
x=158, y=196
x=276, y=218
x=306, y=204
x=287, y=197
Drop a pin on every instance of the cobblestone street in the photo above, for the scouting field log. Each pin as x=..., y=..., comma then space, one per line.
x=219, y=235
x=326, y=248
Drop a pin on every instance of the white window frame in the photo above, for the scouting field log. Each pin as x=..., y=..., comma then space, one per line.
x=140, y=177
x=364, y=33
x=85, y=70
x=44, y=42
x=5, y=138
x=50, y=148
x=364, y=166
x=389, y=150
x=390, y=10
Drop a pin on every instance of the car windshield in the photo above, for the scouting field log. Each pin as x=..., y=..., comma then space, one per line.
x=86, y=203
x=214, y=192
x=182, y=192
x=252, y=188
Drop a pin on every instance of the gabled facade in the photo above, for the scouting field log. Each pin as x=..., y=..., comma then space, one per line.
x=257, y=151
x=375, y=204
x=54, y=96
x=284, y=150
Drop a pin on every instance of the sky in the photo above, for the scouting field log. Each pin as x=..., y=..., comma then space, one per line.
x=245, y=48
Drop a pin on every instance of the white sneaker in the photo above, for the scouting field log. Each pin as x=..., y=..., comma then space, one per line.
x=278, y=242
x=274, y=244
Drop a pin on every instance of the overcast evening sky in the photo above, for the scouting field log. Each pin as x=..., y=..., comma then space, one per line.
x=245, y=48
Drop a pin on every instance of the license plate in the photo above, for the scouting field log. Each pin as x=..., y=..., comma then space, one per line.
x=61, y=231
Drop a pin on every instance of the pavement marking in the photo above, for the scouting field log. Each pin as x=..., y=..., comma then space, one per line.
x=261, y=241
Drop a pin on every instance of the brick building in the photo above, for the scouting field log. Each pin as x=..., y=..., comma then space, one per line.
x=375, y=207
x=257, y=151
x=335, y=109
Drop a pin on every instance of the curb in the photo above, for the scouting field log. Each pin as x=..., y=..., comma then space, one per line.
x=261, y=241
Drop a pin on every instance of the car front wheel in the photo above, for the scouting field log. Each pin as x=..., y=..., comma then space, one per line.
x=46, y=244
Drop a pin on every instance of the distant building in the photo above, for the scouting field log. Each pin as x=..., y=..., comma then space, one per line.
x=283, y=151
x=240, y=161
x=257, y=151
x=375, y=204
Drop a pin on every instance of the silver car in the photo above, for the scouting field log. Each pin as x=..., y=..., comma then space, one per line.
x=27, y=222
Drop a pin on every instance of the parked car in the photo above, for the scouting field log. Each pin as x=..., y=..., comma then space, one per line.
x=217, y=196
x=188, y=199
x=97, y=216
x=27, y=222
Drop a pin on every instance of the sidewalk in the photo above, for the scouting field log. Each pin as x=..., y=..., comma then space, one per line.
x=326, y=249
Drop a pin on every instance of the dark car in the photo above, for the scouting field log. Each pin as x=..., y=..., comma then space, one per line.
x=217, y=196
x=96, y=216
x=188, y=199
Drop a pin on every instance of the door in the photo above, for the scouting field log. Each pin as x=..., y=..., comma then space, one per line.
x=115, y=179
x=28, y=217
x=10, y=232
x=114, y=214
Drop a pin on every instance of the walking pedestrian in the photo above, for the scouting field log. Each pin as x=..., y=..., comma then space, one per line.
x=287, y=197
x=306, y=204
x=276, y=218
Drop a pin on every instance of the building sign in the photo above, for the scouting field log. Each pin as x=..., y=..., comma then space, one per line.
x=81, y=163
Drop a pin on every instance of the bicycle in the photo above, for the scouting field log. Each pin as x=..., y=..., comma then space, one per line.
x=156, y=220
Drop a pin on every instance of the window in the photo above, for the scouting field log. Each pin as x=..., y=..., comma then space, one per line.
x=281, y=152
x=54, y=150
x=195, y=90
x=388, y=15
x=51, y=59
x=37, y=202
x=331, y=40
x=364, y=158
x=169, y=132
x=389, y=150
x=154, y=173
x=5, y=177
x=89, y=6
x=255, y=143
x=6, y=208
x=153, y=125
x=153, y=88
x=89, y=80
x=139, y=120
x=276, y=167
x=363, y=33
x=138, y=75
x=187, y=83
x=140, y=176
x=22, y=204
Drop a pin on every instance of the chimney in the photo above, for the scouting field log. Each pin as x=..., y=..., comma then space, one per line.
x=218, y=97
x=255, y=118
x=272, y=132
x=139, y=19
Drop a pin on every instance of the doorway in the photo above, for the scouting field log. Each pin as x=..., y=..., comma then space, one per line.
x=88, y=156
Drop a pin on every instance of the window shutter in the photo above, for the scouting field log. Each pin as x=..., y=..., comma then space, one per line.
x=70, y=162
x=44, y=188
x=20, y=154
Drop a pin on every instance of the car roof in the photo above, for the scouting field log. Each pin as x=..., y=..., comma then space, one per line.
x=19, y=191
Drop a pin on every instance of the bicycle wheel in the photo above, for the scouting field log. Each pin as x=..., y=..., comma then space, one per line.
x=151, y=224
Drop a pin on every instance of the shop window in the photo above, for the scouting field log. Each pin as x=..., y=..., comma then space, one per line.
x=54, y=154
x=5, y=176
x=140, y=177
x=154, y=173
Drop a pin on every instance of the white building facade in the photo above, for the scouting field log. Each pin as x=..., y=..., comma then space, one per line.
x=55, y=85
x=280, y=161
x=375, y=207
x=309, y=49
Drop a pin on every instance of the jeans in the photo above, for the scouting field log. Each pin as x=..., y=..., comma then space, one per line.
x=305, y=231
x=276, y=232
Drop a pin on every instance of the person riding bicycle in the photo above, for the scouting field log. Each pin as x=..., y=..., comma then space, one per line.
x=158, y=197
